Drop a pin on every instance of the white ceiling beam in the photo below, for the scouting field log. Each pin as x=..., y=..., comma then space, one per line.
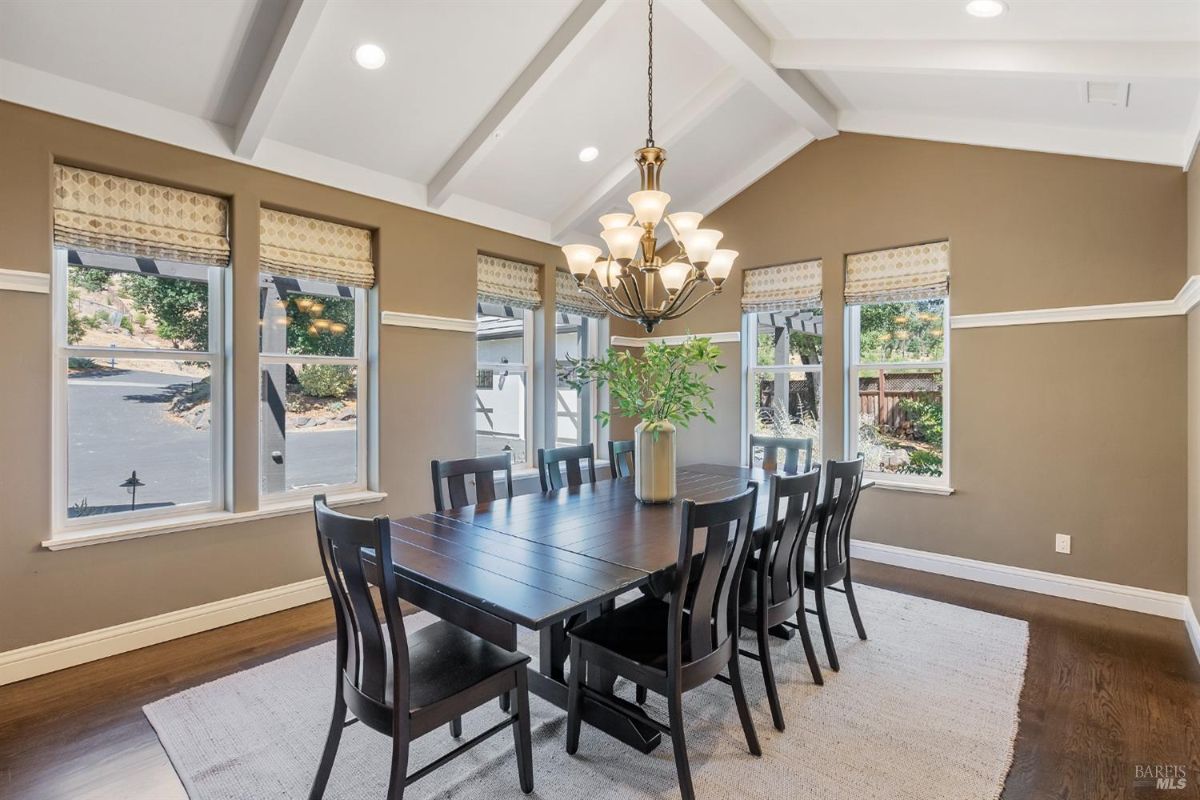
x=693, y=113
x=1191, y=139
x=1125, y=60
x=279, y=63
x=726, y=28
x=566, y=43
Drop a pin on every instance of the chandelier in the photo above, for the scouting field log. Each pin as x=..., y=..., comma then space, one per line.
x=627, y=280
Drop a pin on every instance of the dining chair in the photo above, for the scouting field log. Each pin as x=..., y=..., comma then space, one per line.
x=402, y=685
x=773, y=581
x=830, y=559
x=620, y=458
x=673, y=647
x=454, y=473
x=550, y=471
x=791, y=448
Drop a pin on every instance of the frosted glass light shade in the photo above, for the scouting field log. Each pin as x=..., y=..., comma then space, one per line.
x=581, y=259
x=623, y=242
x=685, y=221
x=674, y=276
x=720, y=265
x=700, y=244
x=648, y=206
x=609, y=274
x=610, y=221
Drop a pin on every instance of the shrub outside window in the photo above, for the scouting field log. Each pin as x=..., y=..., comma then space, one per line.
x=786, y=354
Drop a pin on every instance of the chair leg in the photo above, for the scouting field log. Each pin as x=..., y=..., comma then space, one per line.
x=768, y=671
x=739, y=698
x=456, y=728
x=332, y=739
x=641, y=695
x=679, y=743
x=858, y=624
x=574, y=698
x=399, y=765
x=809, y=652
x=826, y=631
x=505, y=702
x=522, y=737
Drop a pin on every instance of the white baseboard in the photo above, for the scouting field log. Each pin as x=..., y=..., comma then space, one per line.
x=1193, y=628
x=39, y=659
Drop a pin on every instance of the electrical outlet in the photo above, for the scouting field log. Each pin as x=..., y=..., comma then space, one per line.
x=1062, y=543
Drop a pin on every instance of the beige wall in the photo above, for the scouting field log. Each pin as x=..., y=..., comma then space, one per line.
x=1074, y=428
x=426, y=266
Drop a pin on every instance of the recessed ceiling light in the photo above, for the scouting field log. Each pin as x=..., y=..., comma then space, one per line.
x=370, y=56
x=588, y=154
x=986, y=8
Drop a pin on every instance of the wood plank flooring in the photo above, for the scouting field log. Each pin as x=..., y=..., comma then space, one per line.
x=1105, y=690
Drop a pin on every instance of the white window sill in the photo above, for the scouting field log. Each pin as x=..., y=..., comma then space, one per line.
x=919, y=488
x=67, y=540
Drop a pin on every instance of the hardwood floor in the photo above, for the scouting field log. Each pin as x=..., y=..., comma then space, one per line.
x=1105, y=690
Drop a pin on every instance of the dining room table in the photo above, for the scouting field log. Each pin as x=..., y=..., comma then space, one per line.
x=545, y=561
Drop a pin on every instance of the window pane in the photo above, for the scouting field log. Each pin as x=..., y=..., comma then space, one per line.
x=145, y=416
x=306, y=317
x=787, y=404
x=900, y=421
x=500, y=414
x=501, y=335
x=790, y=338
x=896, y=332
x=573, y=409
x=309, y=426
x=163, y=310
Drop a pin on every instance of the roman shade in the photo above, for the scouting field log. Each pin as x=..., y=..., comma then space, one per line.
x=570, y=299
x=920, y=272
x=782, y=287
x=108, y=214
x=303, y=247
x=509, y=283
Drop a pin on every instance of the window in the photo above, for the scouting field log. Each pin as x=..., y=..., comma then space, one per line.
x=576, y=337
x=785, y=353
x=141, y=365
x=313, y=346
x=899, y=376
x=503, y=401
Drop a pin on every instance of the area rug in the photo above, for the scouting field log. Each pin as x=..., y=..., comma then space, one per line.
x=925, y=709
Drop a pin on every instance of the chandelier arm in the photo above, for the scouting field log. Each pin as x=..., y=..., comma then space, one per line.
x=699, y=300
x=637, y=293
x=629, y=303
x=682, y=296
x=612, y=305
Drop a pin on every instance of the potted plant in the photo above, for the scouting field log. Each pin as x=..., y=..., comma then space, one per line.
x=666, y=386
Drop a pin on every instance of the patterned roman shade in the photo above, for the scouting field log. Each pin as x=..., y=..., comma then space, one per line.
x=920, y=272
x=108, y=214
x=509, y=283
x=782, y=287
x=570, y=299
x=303, y=247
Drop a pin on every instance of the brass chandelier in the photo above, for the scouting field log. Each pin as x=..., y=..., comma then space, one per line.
x=629, y=277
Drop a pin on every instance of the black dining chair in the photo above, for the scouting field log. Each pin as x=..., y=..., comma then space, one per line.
x=550, y=463
x=772, y=583
x=673, y=647
x=830, y=563
x=792, y=450
x=620, y=458
x=402, y=685
x=482, y=469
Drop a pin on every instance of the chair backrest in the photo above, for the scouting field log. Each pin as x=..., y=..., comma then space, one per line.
x=620, y=458
x=843, y=481
x=790, y=509
x=455, y=473
x=791, y=448
x=550, y=471
x=704, y=603
x=356, y=554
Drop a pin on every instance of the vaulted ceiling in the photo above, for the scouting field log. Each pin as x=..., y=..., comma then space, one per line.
x=484, y=105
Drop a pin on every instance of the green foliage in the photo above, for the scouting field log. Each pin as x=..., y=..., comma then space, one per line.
x=179, y=307
x=911, y=331
x=127, y=324
x=303, y=337
x=923, y=462
x=100, y=318
x=81, y=363
x=926, y=414
x=89, y=278
x=666, y=384
x=77, y=325
x=326, y=380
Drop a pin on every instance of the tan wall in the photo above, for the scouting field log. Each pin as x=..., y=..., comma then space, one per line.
x=1074, y=428
x=427, y=266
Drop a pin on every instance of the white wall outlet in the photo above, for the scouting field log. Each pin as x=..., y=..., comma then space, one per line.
x=1062, y=543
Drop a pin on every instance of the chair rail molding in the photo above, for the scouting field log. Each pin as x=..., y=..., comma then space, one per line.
x=404, y=319
x=642, y=341
x=19, y=280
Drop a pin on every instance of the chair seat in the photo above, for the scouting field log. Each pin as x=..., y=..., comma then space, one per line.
x=636, y=631
x=445, y=660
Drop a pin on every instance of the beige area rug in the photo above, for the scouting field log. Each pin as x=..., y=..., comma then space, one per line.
x=927, y=708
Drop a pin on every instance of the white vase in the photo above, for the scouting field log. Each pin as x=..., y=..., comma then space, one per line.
x=654, y=462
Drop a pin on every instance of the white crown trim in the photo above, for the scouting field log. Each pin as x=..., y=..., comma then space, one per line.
x=406, y=320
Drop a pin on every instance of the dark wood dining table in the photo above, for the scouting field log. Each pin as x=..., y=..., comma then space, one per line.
x=544, y=561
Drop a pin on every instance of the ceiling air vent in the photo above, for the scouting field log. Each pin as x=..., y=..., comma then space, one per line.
x=1107, y=93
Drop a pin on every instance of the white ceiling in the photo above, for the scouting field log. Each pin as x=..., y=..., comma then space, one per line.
x=483, y=105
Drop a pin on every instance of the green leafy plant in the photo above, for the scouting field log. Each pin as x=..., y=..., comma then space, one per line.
x=89, y=278
x=325, y=380
x=667, y=383
x=923, y=462
x=926, y=414
x=178, y=306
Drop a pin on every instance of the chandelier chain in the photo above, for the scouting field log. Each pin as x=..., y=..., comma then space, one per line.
x=650, y=78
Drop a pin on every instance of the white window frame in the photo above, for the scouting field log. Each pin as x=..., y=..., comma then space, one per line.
x=589, y=428
x=364, y=334
x=525, y=368
x=854, y=367
x=215, y=356
x=750, y=358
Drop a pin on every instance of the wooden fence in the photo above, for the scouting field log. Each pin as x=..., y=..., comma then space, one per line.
x=880, y=398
